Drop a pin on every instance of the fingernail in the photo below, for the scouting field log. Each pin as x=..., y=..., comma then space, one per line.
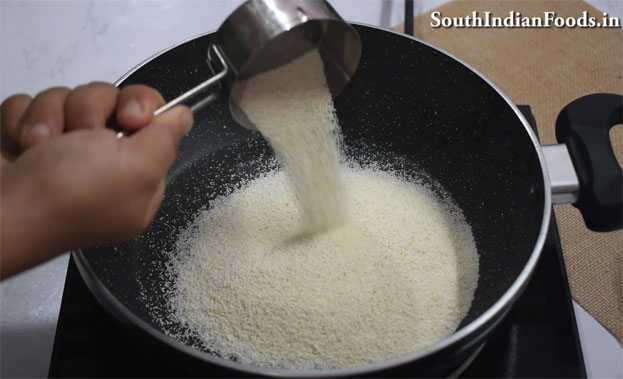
x=38, y=131
x=132, y=109
x=187, y=121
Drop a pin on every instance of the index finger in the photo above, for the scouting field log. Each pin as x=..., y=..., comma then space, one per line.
x=89, y=106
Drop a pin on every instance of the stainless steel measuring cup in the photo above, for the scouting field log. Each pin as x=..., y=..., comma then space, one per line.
x=261, y=35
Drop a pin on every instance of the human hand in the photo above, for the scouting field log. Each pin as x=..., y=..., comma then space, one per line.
x=68, y=182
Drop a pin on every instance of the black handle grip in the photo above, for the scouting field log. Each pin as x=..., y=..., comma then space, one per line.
x=584, y=126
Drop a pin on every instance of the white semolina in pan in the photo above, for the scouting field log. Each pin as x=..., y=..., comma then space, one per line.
x=323, y=265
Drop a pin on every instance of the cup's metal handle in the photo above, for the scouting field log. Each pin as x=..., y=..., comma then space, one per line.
x=194, y=91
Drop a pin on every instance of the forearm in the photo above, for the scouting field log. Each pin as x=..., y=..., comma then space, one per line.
x=26, y=233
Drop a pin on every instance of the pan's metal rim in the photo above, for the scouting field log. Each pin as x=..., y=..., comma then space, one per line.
x=104, y=296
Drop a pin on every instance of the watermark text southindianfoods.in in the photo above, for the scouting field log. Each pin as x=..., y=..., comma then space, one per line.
x=517, y=20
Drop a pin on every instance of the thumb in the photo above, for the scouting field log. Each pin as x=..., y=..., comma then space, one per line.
x=159, y=140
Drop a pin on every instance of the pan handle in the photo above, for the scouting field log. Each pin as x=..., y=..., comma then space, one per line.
x=583, y=126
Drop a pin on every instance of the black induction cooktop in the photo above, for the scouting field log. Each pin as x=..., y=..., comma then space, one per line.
x=538, y=338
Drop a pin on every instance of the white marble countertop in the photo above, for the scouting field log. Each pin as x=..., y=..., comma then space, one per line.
x=50, y=43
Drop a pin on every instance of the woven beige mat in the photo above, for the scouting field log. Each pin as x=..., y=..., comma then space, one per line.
x=547, y=69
